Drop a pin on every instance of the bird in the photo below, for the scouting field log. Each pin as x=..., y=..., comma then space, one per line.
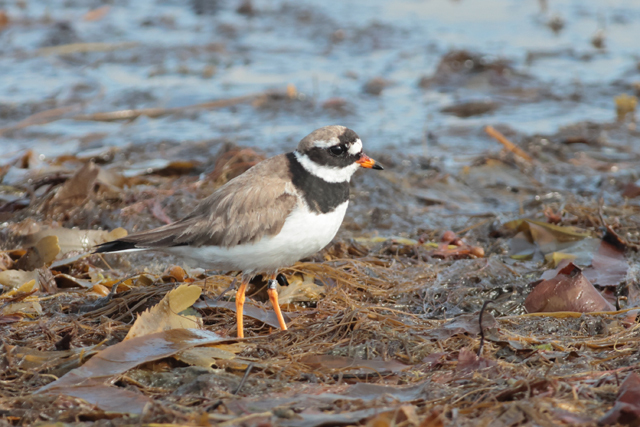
x=281, y=210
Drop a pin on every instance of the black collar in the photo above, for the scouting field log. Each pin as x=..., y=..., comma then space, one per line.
x=320, y=195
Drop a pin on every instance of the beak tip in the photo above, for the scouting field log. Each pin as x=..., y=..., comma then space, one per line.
x=377, y=166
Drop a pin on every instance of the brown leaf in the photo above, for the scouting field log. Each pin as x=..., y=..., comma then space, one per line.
x=631, y=190
x=471, y=108
x=16, y=278
x=19, y=300
x=318, y=419
x=302, y=288
x=334, y=364
x=369, y=392
x=463, y=324
x=174, y=273
x=121, y=357
x=78, y=187
x=470, y=361
x=203, y=356
x=165, y=315
x=570, y=290
x=626, y=410
x=11, y=318
x=4, y=19
x=109, y=399
x=537, y=236
x=405, y=415
x=96, y=14
x=43, y=253
x=609, y=266
x=67, y=281
x=435, y=418
x=56, y=363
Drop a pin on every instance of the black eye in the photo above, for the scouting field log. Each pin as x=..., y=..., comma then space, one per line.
x=337, y=150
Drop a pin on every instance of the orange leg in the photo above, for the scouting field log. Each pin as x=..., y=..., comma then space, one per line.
x=272, y=290
x=240, y=305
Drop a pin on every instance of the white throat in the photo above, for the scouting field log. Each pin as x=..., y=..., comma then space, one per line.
x=327, y=173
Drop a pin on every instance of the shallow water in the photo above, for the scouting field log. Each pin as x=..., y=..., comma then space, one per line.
x=325, y=49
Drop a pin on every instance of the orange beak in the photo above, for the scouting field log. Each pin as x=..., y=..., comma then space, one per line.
x=367, y=162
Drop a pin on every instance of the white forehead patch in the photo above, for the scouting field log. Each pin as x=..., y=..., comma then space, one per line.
x=356, y=147
x=323, y=143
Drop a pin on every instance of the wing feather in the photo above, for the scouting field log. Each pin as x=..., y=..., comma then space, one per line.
x=244, y=210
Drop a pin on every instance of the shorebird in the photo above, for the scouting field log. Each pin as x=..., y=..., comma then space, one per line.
x=283, y=209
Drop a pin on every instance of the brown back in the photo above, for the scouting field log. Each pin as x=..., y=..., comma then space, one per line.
x=244, y=210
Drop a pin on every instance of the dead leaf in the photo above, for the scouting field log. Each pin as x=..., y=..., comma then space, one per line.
x=25, y=288
x=537, y=237
x=20, y=301
x=332, y=419
x=471, y=108
x=174, y=273
x=6, y=262
x=470, y=361
x=96, y=14
x=570, y=290
x=405, y=415
x=43, y=253
x=121, y=357
x=435, y=418
x=175, y=168
x=12, y=318
x=205, y=356
x=301, y=288
x=368, y=392
x=57, y=362
x=512, y=417
x=609, y=266
x=631, y=190
x=77, y=188
x=626, y=410
x=16, y=278
x=24, y=308
x=334, y=364
x=73, y=240
x=101, y=290
x=4, y=19
x=464, y=324
x=109, y=399
x=165, y=315
x=64, y=281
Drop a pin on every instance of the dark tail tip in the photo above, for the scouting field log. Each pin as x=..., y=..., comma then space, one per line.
x=114, y=246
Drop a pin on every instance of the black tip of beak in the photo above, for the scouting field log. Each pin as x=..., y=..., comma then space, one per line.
x=377, y=166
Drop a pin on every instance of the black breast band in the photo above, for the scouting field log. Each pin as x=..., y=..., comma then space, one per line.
x=320, y=195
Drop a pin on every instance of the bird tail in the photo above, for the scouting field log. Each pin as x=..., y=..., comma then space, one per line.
x=116, y=246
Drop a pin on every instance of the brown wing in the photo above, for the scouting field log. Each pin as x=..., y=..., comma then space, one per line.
x=244, y=210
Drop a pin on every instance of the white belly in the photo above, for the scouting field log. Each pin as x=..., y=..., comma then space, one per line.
x=303, y=234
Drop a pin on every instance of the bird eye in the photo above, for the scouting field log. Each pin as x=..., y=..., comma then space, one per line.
x=337, y=150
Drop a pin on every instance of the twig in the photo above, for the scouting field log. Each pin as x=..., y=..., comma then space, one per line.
x=54, y=114
x=67, y=49
x=240, y=420
x=42, y=117
x=244, y=378
x=507, y=144
x=484, y=306
x=158, y=112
